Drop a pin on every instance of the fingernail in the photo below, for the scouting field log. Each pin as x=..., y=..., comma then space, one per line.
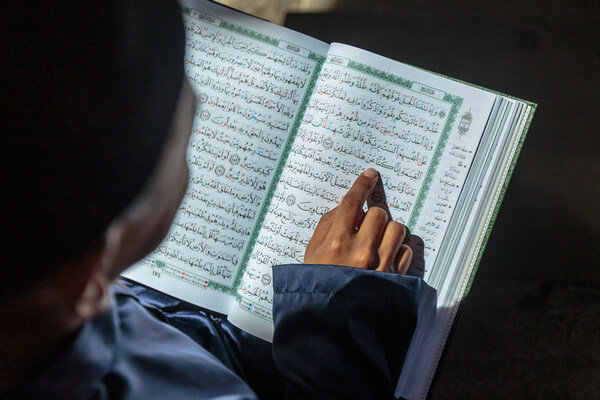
x=371, y=173
x=340, y=202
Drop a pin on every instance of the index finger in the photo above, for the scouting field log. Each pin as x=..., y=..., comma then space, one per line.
x=351, y=208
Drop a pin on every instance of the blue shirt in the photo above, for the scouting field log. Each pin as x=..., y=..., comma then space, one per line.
x=340, y=333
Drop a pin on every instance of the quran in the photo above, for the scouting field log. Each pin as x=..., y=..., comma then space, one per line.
x=284, y=125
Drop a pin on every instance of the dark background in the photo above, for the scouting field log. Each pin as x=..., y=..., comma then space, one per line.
x=530, y=326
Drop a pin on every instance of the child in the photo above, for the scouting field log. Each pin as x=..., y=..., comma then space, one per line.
x=99, y=116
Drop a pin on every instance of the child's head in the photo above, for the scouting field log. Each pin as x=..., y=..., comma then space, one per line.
x=88, y=114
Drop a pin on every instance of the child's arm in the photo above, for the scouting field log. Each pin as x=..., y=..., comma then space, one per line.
x=343, y=332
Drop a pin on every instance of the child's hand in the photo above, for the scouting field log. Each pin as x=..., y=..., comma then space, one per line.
x=347, y=236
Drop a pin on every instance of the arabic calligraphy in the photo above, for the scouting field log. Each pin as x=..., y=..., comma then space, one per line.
x=353, y=121
x=248, y=94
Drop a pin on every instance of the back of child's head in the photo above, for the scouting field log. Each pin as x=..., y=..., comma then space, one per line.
x=90, y=89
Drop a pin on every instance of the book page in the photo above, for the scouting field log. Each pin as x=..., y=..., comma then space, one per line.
x=418, y=129
x=251, y=79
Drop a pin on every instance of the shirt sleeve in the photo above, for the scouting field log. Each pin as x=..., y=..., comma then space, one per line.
x=248, y=356
x=341, y=332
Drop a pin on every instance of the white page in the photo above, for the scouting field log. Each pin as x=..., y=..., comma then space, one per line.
x=418, y=129
x=250, y=78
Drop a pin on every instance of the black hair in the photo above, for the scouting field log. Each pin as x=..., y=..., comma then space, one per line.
x=90, y=90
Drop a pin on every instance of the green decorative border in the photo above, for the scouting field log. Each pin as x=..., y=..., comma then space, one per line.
x=386, y=76
x=249, y=33
x=319, y=59
x=455, y=102
x=237, y=29
x=277, y=175
x=161, y=265
x=220, y=287
x=240, y=30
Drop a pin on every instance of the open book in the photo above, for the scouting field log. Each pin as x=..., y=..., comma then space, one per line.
x=284, y=126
